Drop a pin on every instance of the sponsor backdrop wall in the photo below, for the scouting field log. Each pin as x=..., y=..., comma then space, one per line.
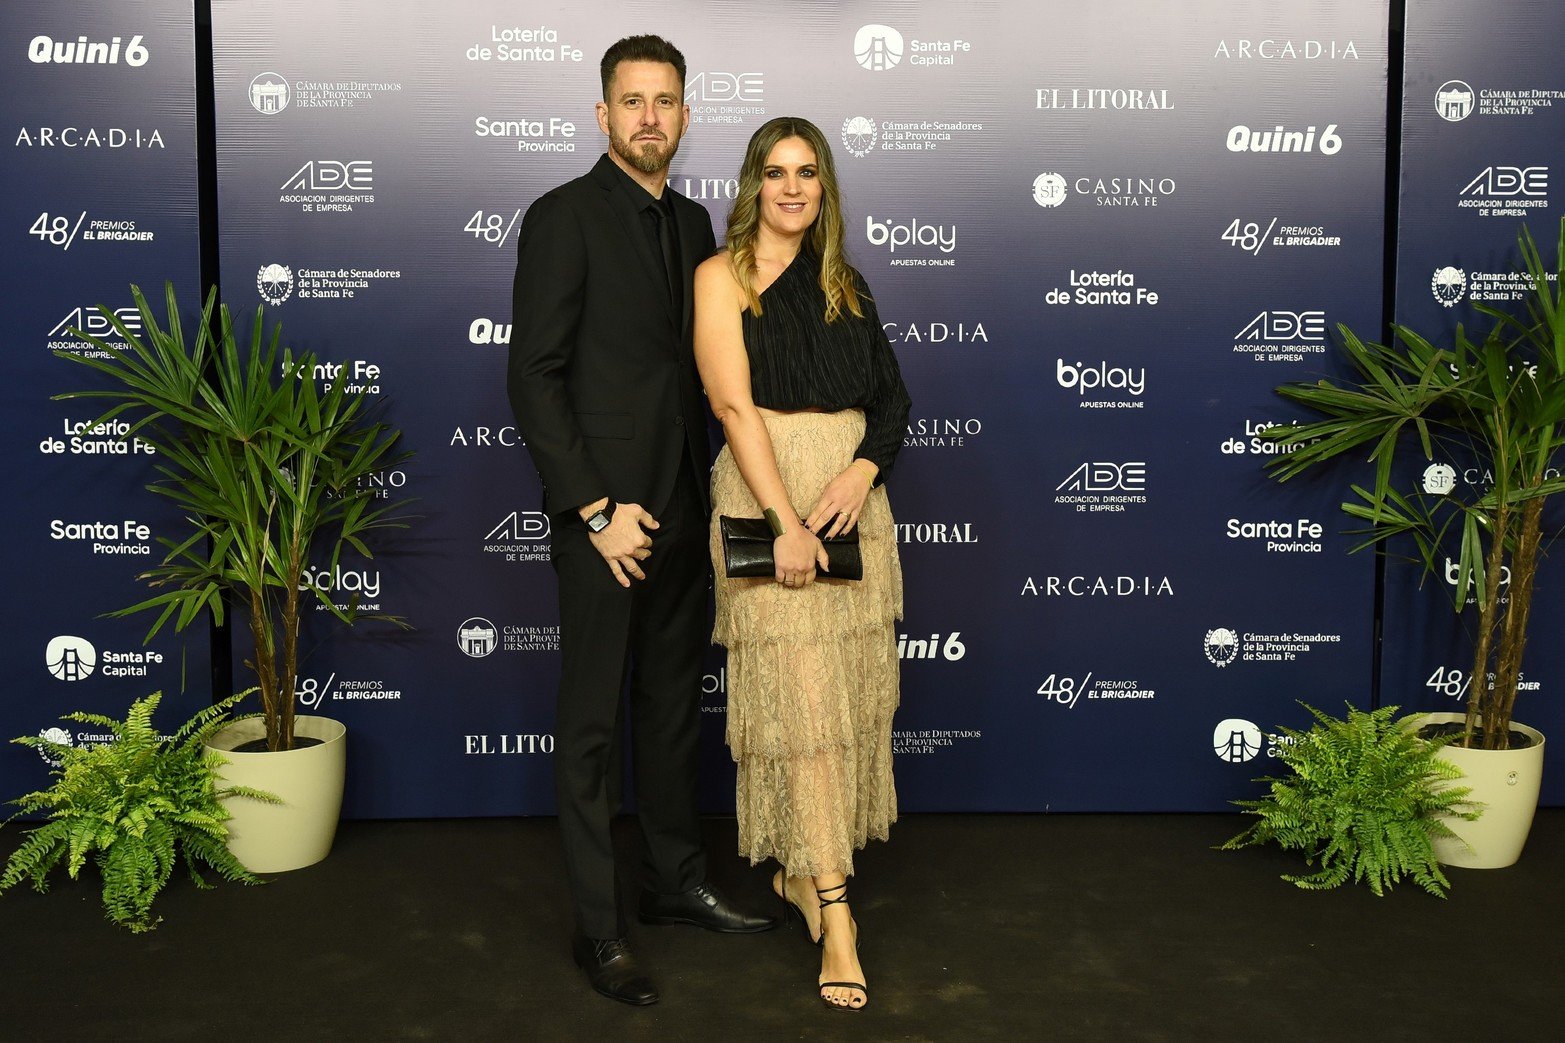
x=98, y=191
x=1099, y=236
x=1483, y=137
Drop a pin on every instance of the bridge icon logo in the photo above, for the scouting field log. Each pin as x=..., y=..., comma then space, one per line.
x=70, y=658
x=877, y=47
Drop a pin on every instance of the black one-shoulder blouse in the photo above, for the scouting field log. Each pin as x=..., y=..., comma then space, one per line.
x=800, y=361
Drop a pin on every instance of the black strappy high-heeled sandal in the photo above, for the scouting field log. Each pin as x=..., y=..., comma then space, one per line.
x=791, y=908
x=821, y=893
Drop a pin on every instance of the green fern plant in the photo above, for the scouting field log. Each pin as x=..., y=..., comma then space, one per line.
x=131, y=805
x=1365, y=798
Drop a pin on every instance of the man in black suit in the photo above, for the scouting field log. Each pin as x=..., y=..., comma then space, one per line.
x=603, y=383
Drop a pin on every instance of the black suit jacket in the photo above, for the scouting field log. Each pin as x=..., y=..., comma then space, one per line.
x=602, y=374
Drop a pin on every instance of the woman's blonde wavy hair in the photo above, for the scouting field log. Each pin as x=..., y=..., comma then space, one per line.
x=824, y=237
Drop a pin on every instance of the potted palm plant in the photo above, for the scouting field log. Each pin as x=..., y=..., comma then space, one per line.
x=269, y=469
x=1498, y=402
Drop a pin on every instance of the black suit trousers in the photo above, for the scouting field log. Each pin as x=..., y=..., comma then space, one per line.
x=656, y=633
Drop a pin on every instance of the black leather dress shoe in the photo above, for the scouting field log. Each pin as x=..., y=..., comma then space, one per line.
x=703, y=906
x=612, y=970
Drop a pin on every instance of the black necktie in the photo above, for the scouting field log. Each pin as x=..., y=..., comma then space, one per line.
x=663, y=227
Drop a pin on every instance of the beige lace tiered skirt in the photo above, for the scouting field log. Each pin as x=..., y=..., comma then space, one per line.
x=812, y=671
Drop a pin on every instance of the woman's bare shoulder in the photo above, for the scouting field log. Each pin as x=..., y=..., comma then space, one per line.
x=715, y=276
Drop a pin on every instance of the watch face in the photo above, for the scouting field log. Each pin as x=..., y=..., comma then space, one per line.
x=598, y=522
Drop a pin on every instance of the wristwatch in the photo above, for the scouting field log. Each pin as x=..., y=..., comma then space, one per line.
x=599, y=519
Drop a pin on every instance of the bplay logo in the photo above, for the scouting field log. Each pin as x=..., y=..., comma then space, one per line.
x=1449, y=285
x=1236, y=740
x=895, y=235
x=269, y=94
x=70, y=658
x=477, y=637
x=878, y=47
x=1085, y=377
x=45, y=50
x=859, y=135
x=275, y=283
x=1454, y=101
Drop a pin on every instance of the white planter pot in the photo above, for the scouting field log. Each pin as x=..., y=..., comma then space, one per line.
x=1506, y=783
x=274, y=838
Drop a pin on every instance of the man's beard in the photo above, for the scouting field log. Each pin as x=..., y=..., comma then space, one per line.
x=649, y=157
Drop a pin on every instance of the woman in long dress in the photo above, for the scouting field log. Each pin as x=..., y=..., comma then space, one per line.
x=798, y=370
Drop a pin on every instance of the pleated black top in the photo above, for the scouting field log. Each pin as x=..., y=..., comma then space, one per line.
x=800, y=361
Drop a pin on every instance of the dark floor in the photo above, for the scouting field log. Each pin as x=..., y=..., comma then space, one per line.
x=1096, y=927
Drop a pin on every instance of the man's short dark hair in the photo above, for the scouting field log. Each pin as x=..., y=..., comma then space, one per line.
x=641, y=49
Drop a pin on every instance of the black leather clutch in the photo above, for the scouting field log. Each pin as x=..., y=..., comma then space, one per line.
x=747, y=550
